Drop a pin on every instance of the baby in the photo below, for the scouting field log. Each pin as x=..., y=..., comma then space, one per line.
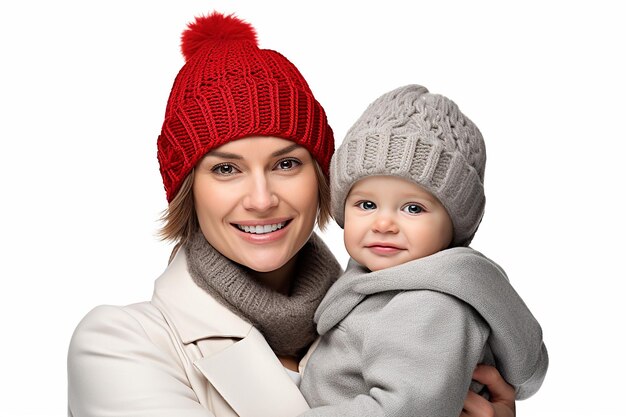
x=416, y=310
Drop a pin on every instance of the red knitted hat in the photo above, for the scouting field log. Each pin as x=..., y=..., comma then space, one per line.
x=229, y=89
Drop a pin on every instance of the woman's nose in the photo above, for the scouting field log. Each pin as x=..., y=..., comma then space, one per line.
x=260, y=196
x=385, y=223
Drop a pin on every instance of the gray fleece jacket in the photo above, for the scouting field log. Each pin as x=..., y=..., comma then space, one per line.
x=404, y=341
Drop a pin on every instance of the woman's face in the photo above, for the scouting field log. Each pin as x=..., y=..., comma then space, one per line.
x=256, y=200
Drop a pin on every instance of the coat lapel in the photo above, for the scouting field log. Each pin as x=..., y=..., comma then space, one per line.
x=247, y=373
x=252, y=380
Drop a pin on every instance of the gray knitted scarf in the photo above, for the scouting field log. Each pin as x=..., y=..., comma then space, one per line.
x=286, y=321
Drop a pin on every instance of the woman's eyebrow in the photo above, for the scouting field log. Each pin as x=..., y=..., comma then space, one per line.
x=286, y=150
x=225, y=155
x=228, y=155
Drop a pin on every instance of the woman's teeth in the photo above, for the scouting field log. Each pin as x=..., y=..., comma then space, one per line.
x=267, y=228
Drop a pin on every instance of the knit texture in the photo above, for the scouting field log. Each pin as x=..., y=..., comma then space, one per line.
x=286, y=321
x=229, y=89
x=413, y=134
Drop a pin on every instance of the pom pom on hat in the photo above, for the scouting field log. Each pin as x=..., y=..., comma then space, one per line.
x=216, y=27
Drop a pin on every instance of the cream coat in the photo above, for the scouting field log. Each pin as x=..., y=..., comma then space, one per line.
x=183, y=354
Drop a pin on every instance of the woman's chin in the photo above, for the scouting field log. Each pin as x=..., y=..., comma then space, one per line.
x=265, y=265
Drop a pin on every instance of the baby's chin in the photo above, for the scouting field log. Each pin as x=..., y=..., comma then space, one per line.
x=377, y=264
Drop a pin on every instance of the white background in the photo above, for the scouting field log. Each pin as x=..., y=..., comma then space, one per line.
x=83, y=91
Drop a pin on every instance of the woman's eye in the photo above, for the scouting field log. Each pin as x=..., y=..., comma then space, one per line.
x=225, y=169
x=366, y=205
x=287, y=164
x=412, y=209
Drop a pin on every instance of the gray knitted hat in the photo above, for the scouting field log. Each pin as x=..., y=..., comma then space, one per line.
x=423, y=137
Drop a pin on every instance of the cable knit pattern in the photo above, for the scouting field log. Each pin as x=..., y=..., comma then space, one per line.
x=228, y=89
x=286, y=321
x=423, y=137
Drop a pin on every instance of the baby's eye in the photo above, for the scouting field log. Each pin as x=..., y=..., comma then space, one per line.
x=225, y=169
x=287, y=164
x=412, y=209
x=366, y=205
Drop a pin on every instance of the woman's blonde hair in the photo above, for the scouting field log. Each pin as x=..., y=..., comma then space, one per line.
x=180, y=220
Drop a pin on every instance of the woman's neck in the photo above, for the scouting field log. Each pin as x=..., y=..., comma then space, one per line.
x=289, y=362
x=279, y=280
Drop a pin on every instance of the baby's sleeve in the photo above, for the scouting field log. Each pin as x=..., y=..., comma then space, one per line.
x=418, y=357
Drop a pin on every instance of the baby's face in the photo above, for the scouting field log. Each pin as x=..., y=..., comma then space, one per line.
x=390, y=221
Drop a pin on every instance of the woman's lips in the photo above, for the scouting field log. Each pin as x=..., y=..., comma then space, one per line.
x=262, y=231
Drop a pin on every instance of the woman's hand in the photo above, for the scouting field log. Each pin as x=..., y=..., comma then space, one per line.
x=502, y=402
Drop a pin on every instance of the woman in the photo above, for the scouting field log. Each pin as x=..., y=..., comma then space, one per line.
x=244, y=154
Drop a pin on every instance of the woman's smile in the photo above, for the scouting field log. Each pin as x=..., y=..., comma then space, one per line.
x=262, y=232
x=260, y=228
x=256, y=199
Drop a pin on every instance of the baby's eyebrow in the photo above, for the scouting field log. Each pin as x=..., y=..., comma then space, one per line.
x=359, y=194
